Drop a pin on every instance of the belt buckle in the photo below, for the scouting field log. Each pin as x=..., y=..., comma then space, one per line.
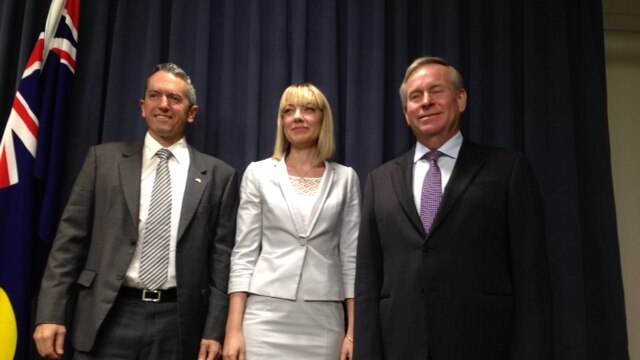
x=155, y=297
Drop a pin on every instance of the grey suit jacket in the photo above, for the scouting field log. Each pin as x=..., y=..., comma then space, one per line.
x=275, y=247
x=97, y=237
x=477, y=287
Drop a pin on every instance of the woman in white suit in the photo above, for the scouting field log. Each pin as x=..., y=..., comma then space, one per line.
x=293, y=264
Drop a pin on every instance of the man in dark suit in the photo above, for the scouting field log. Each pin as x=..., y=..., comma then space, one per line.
x=464, y=277
x=148, y=282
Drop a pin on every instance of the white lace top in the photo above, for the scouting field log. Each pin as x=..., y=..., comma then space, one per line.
x=306, y=189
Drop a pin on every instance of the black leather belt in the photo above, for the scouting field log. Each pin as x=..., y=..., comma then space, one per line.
x=168, y=295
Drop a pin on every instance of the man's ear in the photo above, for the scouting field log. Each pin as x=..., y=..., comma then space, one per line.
x=191, y=116
x=462, y=100
x=142, y=107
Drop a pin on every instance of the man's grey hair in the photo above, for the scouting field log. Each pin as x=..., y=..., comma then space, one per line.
x=176, y=71
x=455, y=77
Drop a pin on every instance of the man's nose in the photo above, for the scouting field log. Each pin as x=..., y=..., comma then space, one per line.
x=427, y=99
x=164, y=101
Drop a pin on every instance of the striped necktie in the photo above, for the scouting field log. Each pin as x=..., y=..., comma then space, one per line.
x=154, y=265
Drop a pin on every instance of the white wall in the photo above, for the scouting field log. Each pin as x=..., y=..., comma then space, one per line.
x=622, y=46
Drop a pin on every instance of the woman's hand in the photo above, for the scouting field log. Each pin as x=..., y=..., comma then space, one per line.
x=234, y=346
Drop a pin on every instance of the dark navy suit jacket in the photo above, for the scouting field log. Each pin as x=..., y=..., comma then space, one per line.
x=477, y=287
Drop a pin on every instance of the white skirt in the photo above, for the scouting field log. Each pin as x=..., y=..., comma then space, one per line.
x=286, y=329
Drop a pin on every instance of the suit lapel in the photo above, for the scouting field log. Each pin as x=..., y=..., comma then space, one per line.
x=129, y=169
x=402, y=181
x=303, y=229
x=323, y=192
x=290, y=199
x=197, y=180
x=470, y=160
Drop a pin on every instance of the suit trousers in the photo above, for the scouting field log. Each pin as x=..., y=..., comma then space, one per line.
x=135, y=329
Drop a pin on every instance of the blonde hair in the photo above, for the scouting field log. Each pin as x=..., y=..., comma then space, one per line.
x=306, y=94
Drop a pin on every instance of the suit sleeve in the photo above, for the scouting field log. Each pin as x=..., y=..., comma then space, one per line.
x=532, y=333
x=248, y=234
x=349, y=233
x=367, y=331
x=70, y=247
x=219, y=259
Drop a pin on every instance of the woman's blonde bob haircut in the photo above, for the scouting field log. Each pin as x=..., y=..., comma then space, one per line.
x=306, y=94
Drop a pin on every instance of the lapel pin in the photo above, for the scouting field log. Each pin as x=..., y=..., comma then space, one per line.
x=198, y=180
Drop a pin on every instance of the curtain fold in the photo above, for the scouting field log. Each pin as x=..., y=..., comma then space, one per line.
x=534, y=71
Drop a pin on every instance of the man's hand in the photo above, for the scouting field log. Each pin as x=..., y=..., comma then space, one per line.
x=50, y=340
x=209, y=350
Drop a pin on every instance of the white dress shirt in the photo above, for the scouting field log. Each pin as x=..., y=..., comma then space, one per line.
x=178, y=167
x=450, y=149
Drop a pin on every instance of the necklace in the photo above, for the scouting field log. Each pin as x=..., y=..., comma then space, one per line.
x=303, y=176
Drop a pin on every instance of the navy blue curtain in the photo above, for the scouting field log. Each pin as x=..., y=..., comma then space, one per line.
x=534, y=71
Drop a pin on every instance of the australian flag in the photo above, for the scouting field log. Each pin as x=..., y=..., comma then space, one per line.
x=30, y=155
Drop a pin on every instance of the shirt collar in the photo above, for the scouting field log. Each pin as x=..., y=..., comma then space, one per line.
x=180, y=149
x=451, y=148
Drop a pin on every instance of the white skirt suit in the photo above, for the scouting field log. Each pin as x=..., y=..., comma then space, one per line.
x=297, y=272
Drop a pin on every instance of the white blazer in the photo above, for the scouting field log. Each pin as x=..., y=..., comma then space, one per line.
x=273, y=246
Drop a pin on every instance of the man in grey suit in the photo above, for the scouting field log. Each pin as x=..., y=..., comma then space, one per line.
x=147, y=282
x=451, y=261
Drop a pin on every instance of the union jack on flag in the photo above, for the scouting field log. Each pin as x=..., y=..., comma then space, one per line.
x=23, y=120
x=30, y=157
